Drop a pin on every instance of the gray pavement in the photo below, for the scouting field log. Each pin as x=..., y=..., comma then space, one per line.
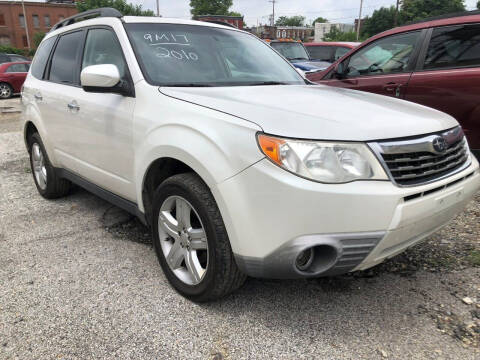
x=80, y=280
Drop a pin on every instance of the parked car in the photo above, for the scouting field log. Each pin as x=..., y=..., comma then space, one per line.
x=329, y=51
x=295, y=52
x=228, y=159
x=12, y=76
x=434, y=63
x=4, y=58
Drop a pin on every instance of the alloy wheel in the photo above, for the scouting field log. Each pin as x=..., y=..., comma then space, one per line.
x=5, y=91
x=183, y=240
x=38, y=165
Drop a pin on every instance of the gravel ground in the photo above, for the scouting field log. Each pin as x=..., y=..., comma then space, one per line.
x=79, y=279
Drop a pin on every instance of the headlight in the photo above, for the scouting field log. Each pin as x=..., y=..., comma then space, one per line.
x=327, y=162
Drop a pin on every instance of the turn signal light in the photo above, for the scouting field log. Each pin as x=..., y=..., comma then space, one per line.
x=271, y=147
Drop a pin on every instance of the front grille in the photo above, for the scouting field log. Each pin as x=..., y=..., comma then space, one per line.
x=417, y=161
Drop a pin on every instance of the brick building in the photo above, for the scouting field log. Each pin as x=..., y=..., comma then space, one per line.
x=302, y=33
x=236, y=21
x=39, y=17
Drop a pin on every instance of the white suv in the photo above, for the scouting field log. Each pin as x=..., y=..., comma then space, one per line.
x=239, y=165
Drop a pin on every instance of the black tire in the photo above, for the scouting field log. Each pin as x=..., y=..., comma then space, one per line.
x=222, y=275
x=56, y=186
x=6, y=91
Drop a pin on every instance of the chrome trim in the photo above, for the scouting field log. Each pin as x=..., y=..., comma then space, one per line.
x=420, y=145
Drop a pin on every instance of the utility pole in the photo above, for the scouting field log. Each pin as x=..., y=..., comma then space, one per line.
x=158, y=8
x=396, y=14
x=26, y=24
x=273, y=16
x=359, y=25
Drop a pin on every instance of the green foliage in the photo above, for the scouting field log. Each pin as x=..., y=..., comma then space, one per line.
x=121, y=5
x=12, y=50
x=319, y=20
x=210, y=7
x=381, y=20
x=296, y=20
x=234, y=13
x=336, y=35
x=411, y=10
x=37, y=38
x=478, y=5
x=416, y=10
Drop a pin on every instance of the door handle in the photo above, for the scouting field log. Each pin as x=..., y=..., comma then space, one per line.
x=38, y=96
x=73, y=106
x=391, y=87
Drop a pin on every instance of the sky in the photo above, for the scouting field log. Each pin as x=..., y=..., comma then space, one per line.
x=259, y=10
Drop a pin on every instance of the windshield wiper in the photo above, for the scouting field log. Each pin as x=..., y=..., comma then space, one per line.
x=187, y=85
x=298, y=59
x=267, y=83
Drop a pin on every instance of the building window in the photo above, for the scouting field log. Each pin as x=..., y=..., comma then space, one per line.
x=284, y=33
x=21, y=19
x=25, y=42
x=278, y=34
x=4, y=40
x=2, y=20
x=47, y=21
x=36, y=21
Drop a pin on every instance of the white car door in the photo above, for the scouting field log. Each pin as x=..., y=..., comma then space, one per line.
x=96, y=129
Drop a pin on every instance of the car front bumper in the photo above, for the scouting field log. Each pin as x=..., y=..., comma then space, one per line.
x=272, y=216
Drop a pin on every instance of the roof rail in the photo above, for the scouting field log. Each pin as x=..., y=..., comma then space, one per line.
x=220, y=23
x=446, y=16
x=100, y=12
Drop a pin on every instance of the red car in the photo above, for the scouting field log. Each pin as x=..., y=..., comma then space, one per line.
x=329, y=51
x=434, y=63
x=12, y=76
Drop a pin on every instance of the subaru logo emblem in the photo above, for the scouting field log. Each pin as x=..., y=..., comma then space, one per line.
x=439, y=144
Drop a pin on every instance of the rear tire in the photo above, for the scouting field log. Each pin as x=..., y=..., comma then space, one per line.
x=216, y=274
x=48, y=183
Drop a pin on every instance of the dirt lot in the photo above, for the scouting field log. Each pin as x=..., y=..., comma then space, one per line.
x=79, y=279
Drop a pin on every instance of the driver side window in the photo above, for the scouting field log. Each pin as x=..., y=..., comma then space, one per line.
x=385, y=56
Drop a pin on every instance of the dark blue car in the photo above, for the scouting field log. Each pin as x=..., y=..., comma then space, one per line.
x=296, y=53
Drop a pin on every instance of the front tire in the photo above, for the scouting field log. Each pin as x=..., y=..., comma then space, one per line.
x=191, y=241
x=48, y=183
x=6, y=91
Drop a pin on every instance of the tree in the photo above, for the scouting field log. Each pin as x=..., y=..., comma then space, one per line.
x=336, y=35
x=478, y=5
x=319, y=20
x=121, y=5
x=416, y=10
x=37, y=38
x=210, y=7
x=296, y=20
x=381, y=20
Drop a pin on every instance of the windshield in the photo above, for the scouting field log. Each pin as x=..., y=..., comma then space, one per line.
x=291, y=50
x=192, y=55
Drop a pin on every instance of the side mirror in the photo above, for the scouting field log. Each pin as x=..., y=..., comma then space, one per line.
x=104, y=78
x=339, y=71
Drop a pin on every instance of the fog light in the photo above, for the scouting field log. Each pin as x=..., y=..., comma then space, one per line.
x=304, y=259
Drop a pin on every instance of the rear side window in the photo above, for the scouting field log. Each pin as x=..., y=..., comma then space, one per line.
x=41, y=57
x=339, y=52
x=323, y=53
x=16, y=68
x=63, y=68
x=454, y=46
x=4, y=58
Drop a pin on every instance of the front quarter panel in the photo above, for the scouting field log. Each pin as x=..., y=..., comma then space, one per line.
x=215, y=145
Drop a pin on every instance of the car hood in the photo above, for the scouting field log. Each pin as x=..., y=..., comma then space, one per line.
x=318, y=112
x=310, y=65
